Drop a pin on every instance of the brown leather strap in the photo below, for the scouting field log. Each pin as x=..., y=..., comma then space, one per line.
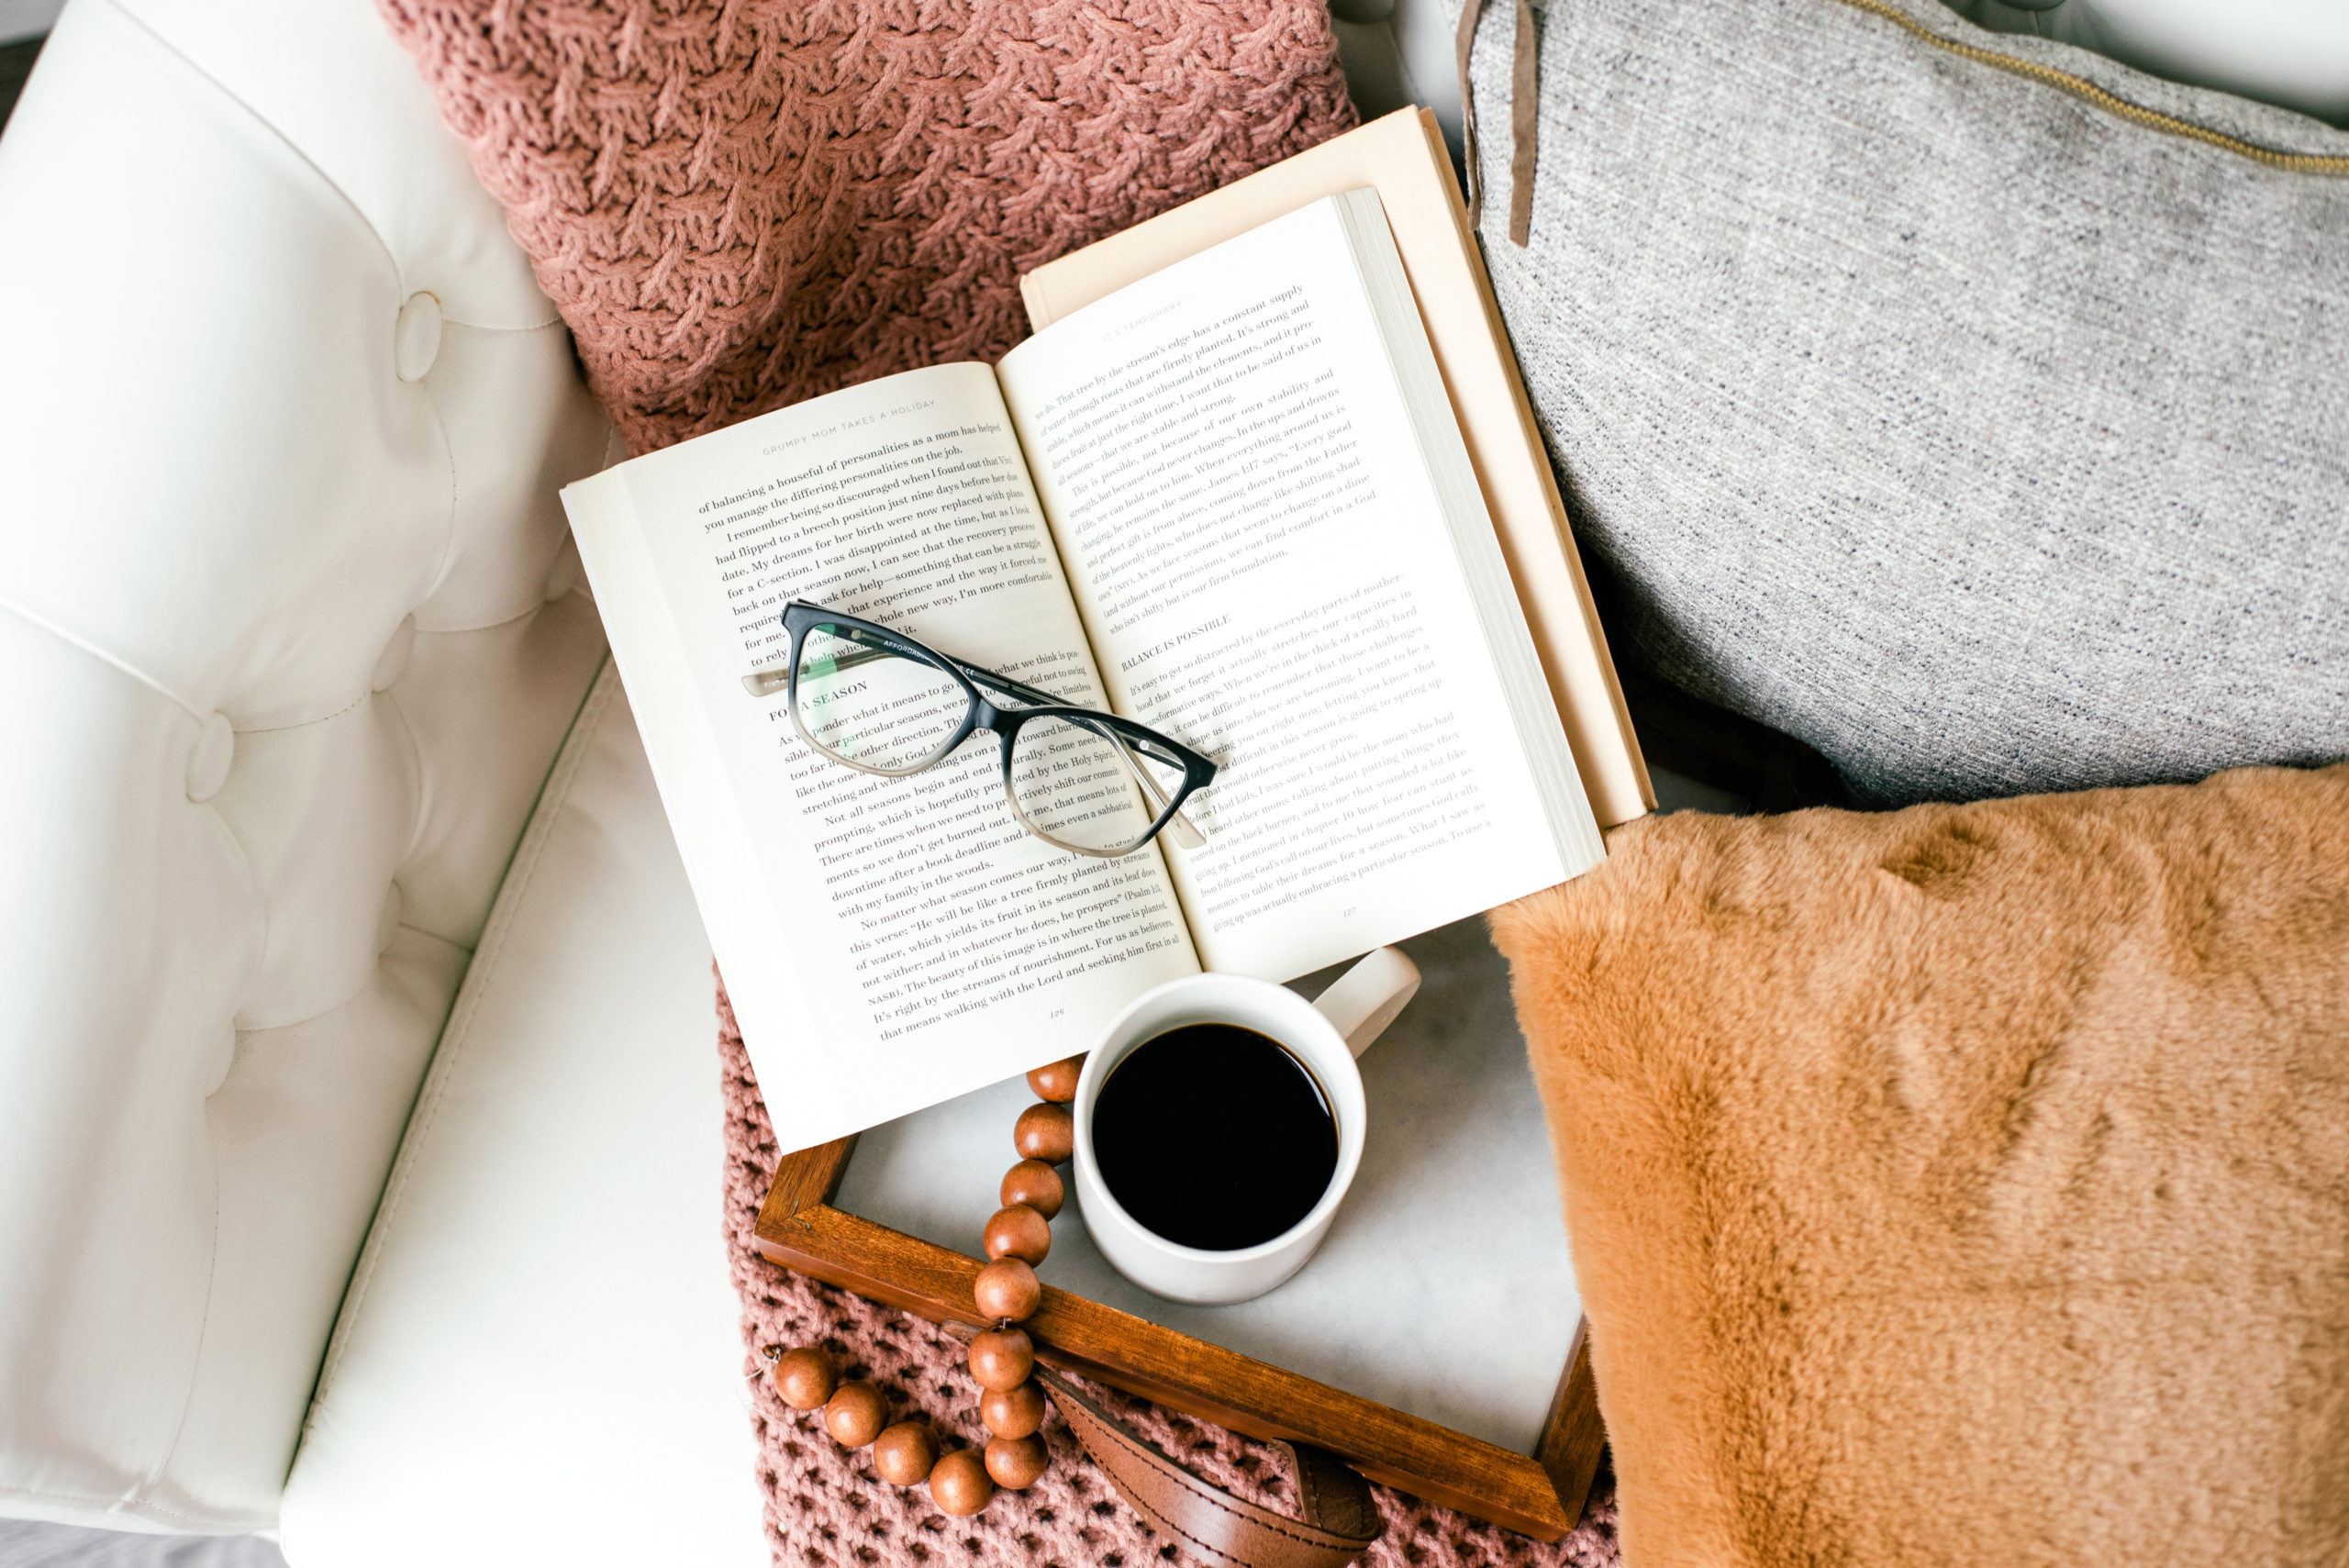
x=1340, y=1520
x=1525, y=133
x=1524, y=117
x=1463, y=44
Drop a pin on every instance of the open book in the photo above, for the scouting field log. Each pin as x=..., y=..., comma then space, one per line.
x=1230, y=500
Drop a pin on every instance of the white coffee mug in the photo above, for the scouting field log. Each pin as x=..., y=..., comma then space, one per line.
x=1326, y=1035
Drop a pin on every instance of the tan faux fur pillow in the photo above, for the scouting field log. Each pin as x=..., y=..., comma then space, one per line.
x=1966, y=1184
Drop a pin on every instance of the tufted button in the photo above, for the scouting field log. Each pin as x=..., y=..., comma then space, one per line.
x=207, y=764
x=394, y=659
x=416, y=338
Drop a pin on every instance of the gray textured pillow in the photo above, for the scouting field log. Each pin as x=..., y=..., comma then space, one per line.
x=1969, y=429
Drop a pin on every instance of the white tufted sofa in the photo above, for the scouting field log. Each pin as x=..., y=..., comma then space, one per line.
x=292, y=647
x=359, y=1124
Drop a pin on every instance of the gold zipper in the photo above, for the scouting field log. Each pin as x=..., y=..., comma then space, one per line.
x=2082, y=88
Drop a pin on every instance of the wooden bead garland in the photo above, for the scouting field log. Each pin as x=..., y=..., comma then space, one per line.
x=1045, y=1132
x=1056, y=1081
x=1015, y=1464
x=804, y=1377
x=1018, y=1232
x=1034, y=1183
x=1002, y=1358
x=855, y=1414
x=960, y=1485
x=1013, y=1412
x=904, y=1453
x=1007, y=1289
x=1018, y=1238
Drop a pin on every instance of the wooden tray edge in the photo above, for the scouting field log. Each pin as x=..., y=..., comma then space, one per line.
x=1541, y=1495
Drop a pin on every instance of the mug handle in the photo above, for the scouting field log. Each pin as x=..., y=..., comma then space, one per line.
x=1366, y=998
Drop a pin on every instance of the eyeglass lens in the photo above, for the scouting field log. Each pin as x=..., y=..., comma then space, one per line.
x=1077, y=786
x=873, y=708
x=1072, y=781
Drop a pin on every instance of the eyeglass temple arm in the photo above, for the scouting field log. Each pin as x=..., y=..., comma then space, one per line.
x=765, y=682
x=775, y=678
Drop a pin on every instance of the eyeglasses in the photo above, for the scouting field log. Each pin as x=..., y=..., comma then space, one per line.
x=1076, y=777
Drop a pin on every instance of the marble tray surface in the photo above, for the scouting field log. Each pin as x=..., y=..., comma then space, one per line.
x=1444, y=1289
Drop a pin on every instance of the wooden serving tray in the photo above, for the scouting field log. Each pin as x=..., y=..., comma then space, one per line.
x=1461, y=1013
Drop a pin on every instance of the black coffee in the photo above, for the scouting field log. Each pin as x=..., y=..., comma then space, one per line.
x=1214, y=1136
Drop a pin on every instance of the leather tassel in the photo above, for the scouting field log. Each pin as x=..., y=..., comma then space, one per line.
x=1524, y=117
x=1525, y=131
x=1464, y=45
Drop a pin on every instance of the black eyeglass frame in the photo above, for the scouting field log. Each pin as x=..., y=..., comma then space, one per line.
x=800, y=617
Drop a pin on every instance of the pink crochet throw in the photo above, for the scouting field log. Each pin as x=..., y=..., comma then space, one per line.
x=739, y=206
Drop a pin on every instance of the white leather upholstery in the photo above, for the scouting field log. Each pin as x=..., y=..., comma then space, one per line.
x=287, y=645
x=540, y=1360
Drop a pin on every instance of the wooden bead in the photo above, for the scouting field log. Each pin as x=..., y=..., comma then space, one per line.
x=1007, y=1288
x=1002, y=1358
x=1018, y=1232
x=959, y=1483
x=1045, y=1132
x=855, y=1414
x=1035, y=1183
x=1013, y=1412
x=1015, y=1463
x=804, y=1377
x=1056, y=1081
x=903, y=1453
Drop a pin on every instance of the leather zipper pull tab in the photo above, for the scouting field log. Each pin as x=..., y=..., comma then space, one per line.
x=1464, y=45
x=1525, y=123
x=1524, y=117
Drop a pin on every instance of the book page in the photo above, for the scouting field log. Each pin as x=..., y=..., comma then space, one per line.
x=887, y=942
x=1403, y=157
x=1257, y=546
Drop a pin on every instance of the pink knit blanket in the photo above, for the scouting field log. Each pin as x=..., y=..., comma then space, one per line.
x=741, y=204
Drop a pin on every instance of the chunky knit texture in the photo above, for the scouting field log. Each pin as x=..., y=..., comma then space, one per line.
x=739, y=206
